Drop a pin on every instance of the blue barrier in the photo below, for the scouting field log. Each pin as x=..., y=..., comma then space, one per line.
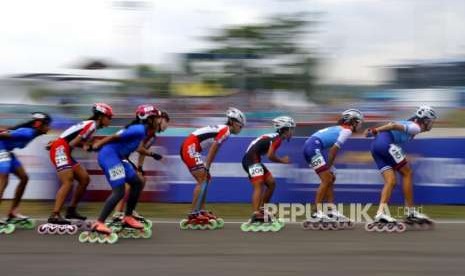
x=438, y=164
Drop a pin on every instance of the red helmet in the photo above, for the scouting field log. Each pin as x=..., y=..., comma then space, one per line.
x=102, y=108
x=146, y=110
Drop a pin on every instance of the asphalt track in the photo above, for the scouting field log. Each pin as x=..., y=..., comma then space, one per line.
x=293, y=251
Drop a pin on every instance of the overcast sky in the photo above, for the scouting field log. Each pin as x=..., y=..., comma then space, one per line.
x=356, y=38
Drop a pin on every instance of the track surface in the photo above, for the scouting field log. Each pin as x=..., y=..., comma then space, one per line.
x=229, y=251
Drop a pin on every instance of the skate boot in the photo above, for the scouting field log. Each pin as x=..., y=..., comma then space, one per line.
x=20, y=221
x=198, y=221
x=343, y=222
x=56, y=224
x=418, y=221
x=260, y=222
x=6, y=228
x=132, y=228
x=146, y=222
x=210, y=215
x=77, y=219
x=320, y=221
x=116, y=222
x=385, y=223
x=99, y=233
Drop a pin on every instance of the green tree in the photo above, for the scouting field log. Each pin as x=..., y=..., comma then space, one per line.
x=271, y=55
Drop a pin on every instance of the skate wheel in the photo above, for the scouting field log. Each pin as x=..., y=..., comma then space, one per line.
x=72, y=229
x=102, y=238
x=83, y=237
x=370, y=227
x=183, y=224
x=390, y=228
x=275, y=227
x=124, y=234
x=245, y=227
x=255, y=228
x=112, y=238
x=306, y=224
x=379, y=227
x=93, y=237
x=220, y=223
x=52, y=229
x=8, y=229
x=62, y=230
x=324, y=226
x=42, y=229
x=401, y=227
x=147, y=234
x=147, y=223
x=333, y=226
x=212, y=224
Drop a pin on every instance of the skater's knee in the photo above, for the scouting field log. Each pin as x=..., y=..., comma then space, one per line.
x=24, y=180
x=85, y=180
x=390, y=182
x=406, y=171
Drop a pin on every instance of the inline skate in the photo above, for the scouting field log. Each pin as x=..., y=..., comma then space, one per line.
x=21, y=222
x=385, y=223
x=198, y=221
x=99, y=233
x=56, y=224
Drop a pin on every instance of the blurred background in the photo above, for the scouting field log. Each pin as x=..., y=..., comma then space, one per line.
x=310, y=59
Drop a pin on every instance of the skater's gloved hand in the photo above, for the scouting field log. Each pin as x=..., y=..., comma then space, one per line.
x=371, y=132
x=156, y=156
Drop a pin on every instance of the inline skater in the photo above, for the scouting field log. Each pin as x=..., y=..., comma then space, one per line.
x=68, y=170
x=390, y=158
x=261, y=178
x=320, y=151
x=18, y=137
x=112, y=158
x=207, y=139
x=148, y=143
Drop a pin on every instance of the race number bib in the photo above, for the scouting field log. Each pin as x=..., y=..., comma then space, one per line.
x=4, y=156
x=117, y=172
x=195, y=155
x=256, y=170
x=317, y=161
x=396, y=153
x=60, y=156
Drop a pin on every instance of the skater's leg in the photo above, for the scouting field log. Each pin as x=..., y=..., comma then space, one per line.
x=270, y=184
x=134, y=193
x=23, y=180
x=257, y=194
x=81, y=175
x=66, y=179
x=116, y=195
x=326, y=178
x=201, y=179
x=389, y=177
x=407, y=185
x=3, y=184
x=121, y=203
x=330, y=192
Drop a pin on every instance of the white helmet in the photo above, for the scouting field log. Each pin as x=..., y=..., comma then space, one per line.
x=427, y=112
x=283, y=122
x=352, y=114
x=234, y=113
